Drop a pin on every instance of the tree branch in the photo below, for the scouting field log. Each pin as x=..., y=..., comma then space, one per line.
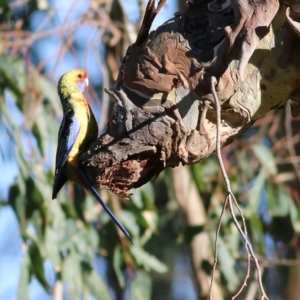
x=159, y=114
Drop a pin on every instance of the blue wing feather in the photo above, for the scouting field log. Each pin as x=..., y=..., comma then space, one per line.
x=67, y=135
x=68, y=132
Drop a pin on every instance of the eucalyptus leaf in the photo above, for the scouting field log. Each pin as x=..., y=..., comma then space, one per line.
x=266, y=158
x=140, y=287
x=17, y=201
x=210, y=168
x=70, y=234
x=257, y=233
x=23, y=290
x=136, y=199
x=148, y=261
x=147, y=193
x=196, y=171
x=71, y=275
x=85, y=242
x=129, y=221
x=52, y=248
x=280, y=206
x=254, y=193
x=117, y=263
x=227, y=266
x=11, y=65
x=37, y=264
x=39, y=132
x=24, y=170
x=95, y=285
x=58, y=220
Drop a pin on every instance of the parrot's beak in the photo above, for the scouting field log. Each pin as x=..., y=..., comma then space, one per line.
x=86, y=80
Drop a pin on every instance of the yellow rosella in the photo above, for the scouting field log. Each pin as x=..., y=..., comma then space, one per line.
x=77, y=130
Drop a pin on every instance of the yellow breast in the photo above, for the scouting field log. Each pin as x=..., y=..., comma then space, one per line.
x=88, y=128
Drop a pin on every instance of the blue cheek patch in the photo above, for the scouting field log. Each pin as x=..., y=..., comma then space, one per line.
x=81, y=85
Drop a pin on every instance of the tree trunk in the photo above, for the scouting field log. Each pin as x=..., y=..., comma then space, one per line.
x=200, y=247
x=164, y=112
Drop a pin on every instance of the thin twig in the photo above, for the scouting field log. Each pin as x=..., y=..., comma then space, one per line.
x=245, y=237
x=216, y=249
x=229, y=199
x=273, y=261
x=249, y=250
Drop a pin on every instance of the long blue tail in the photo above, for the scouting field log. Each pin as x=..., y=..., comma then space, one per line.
x=97, y=196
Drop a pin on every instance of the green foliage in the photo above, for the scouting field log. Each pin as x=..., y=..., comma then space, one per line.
x=71, y=233
x=141, y=287
x=24, y=279
x=62, y=231
x=147, y=261
x=95, y=285
x=253, y=173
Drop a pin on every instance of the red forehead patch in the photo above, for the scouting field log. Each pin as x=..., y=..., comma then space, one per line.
x=84, y=75
x=81, y=76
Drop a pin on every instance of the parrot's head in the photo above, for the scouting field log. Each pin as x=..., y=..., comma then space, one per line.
x=73, y=81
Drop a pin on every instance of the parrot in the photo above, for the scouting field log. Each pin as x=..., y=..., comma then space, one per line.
x=78, y=129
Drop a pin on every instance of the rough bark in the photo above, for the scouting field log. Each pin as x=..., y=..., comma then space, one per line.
x=163, y=107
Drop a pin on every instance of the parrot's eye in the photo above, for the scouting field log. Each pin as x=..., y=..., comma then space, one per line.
x=79, y=76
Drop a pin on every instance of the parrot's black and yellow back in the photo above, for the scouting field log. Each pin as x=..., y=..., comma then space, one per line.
x=77, y=130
